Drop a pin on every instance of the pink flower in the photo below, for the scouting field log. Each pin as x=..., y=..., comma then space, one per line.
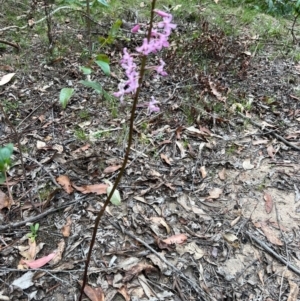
x=146, y=47
x=135, y=28
x=162, y=13
x=160, y=68
x=152, y=106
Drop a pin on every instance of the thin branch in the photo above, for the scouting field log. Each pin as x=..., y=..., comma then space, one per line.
x=272, y=133
x=37, y=217
x=15, y=45
x=273, y=253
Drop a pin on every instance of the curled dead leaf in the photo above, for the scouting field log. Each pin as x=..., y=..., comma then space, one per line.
x=222, y=174
x=203, y=172
x=215, y=193
x=271, y=235
x=160, y=221
x=65, y=182
x=137, y=269
x=58, y=252
x=268, y=202
x=94, y=293
x=111, y=169
x=5, y=201
x=96, y=188
x=247, y=165
x=175, y=239
x=166, y=159
x=66, y=229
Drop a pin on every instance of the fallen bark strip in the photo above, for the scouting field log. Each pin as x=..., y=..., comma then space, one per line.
x=194, y=285
x=37, y=217
x=272, y=133
x=273, y=253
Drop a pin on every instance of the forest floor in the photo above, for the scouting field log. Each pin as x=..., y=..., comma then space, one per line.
x=210, y=196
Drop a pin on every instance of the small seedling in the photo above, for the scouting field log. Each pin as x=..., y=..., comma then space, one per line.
x=5, y=160
x=33, y=231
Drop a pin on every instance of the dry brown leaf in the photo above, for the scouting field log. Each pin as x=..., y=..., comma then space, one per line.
x=175, y=239
x=111, y=169
x=222, y=174
x=178, y=132
x=82, y=149
x=123, y=291
x=182, y=200
x=181, y=148
x=203, y=172
x=6, y=78
x=161, y=222
x=214, y=91
x=265, y=124
x=234, y=222
x=58, y=252
x=247, y=165
x=5, y=201
x=94, y=293
x=191, y=248
x=215, y=193
x=137, y=269
x=40, y=144
x=271, y=151
x=294, y=290
x=261, y=276
x=65, y=182
x=96, y=188
x=270, y=235
x=66, y=229
x=268, y=202
x=33, y=250
x=166, y=159
x=261, y=141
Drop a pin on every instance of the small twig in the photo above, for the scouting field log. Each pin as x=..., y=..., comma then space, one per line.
x=46, y=170
x=194, y=285
x=11, y=44
x=37, y=217
x=273, y=253
x=272, y=133
x=286, y=250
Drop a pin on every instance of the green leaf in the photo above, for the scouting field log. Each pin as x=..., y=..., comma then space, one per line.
x=103, y=2
x=102, y=40
x=96, y=86
x=2, y=177
x=64, y=96
x=36, y=227
x=85, y=70
x=116, y=198
x=115, y=28
x=5, y=156
x=102, y=60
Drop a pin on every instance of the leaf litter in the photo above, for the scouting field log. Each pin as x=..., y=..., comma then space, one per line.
x=191, y=191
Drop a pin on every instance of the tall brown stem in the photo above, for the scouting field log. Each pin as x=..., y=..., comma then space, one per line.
x=135, y=101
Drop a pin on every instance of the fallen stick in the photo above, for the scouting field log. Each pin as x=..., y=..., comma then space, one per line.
x=37, y=217
x=272, y=133
x=273, y=253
